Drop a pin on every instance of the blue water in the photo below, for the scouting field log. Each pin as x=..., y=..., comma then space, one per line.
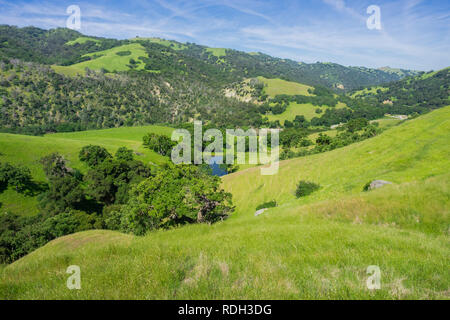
x=216, y=170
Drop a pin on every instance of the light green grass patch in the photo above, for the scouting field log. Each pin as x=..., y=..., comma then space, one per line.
x=82, y=40
x=278, y=86
x=168, y=43
x=218, y=52
x=109, y=60
x=372, y=90
x=305, y=109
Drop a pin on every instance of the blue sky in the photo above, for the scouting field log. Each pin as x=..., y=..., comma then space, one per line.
x=415, y=34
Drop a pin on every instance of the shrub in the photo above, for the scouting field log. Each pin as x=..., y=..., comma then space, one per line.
x=176, y=195
x=367, y=186
x=305, y=188
x=266, y=205
x=123, y=53
x=124, y=154
x=93, y=155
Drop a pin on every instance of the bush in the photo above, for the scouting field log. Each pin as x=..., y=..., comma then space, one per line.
x=367, y=186
x=124, y=154
x=158, y=143
x=266, y=205
x=93, y=155
x=305, y=188
x=176, y=195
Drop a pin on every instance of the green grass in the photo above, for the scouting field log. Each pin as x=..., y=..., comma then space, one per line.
x=278, y=86
x=386, y=123
x=28, y=150
x=168, y=43
x=372, y=90
x=305, y=109
x=108, y=59
x=218, y=52
x=81, y=40
x=315, y=247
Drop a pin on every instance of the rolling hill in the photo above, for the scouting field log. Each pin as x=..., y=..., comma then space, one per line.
x=66, y=47
x=318, y=246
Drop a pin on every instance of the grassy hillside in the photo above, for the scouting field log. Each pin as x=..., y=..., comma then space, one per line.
x=305, y=109
x=316, y=247
x=108, y=59
x=412, y=151
x=28, y=150
x=275, y=87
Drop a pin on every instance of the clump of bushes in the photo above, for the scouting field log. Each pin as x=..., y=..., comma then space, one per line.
x=267, y=205
x=305, y=188
x=367, y=186
x=123, y=53
x=17, y=177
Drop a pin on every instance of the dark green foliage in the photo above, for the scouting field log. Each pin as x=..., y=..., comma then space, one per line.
x=292, y=137
x=123, y=53
x=54, y=166
x=93, y=155
x=48, y=46
x=176, y=195
x=112, y=218
x=109, y=181
x=367, y=186
x=17, y=177
x=356, y=124
x=326, y=100
x=71, y=202
x=158, y=143
x=267, y=205
x=21, y=235
x=305, y=188
x=363, y=130
x=124, y=154
x=412, y=95
x=323, y=139
x=100, y=101
x=330, y=75
x=63, y=192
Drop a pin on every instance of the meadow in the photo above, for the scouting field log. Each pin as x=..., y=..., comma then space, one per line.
x=315, y=247
x=275, y=87
x=107, y=59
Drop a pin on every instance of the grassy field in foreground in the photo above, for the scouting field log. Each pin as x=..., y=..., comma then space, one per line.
x=28, y=150
x=313, y=248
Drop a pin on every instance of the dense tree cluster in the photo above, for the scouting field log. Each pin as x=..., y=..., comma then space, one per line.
x=35, y=100
x=101, y=199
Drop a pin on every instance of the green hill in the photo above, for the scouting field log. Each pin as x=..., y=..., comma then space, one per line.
x=275, y=87
x=316, y=247
x=113, y=60
x=64, y=47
